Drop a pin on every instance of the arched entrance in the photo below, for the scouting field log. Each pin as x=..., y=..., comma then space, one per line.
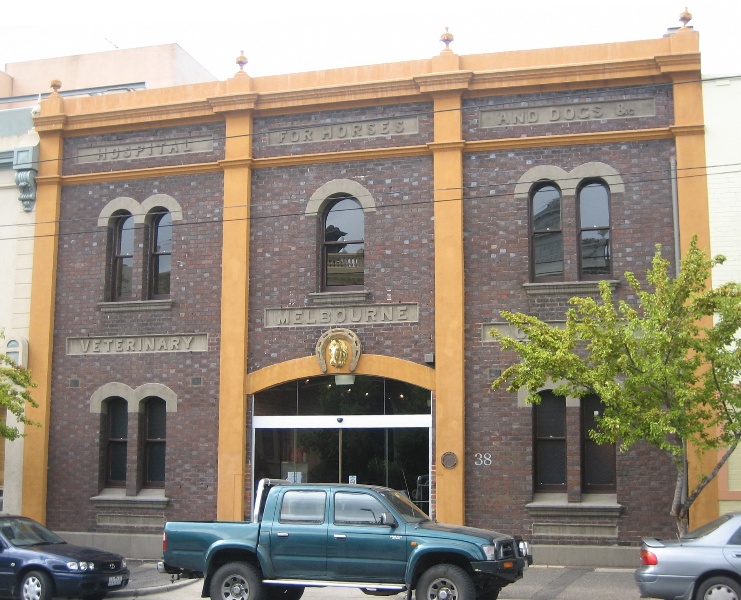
x=345, y=428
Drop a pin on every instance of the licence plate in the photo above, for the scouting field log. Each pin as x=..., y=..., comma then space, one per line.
x=115, y=580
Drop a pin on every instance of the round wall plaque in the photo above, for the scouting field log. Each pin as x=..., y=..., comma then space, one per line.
x=449, y=460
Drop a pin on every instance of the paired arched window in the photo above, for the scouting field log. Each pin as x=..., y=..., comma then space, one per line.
x=117, y=436
x=343, y=244
x=122, y=256
x=159, y=253
x=155, y=416
x=547, y=232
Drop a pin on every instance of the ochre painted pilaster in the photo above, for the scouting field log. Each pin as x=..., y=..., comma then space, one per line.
x=41, y=329
x=233, y=429
x=449, y=307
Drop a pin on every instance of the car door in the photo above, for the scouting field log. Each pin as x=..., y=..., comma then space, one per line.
x=298, y=536
x=359, y=546
x=8, y=566
x=732, y=551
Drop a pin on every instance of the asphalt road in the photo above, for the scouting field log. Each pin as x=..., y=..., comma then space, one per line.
x=539, y=583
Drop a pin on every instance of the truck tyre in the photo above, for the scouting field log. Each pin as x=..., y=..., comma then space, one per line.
x=284, y=592
x=237, y=581
x=445, y=582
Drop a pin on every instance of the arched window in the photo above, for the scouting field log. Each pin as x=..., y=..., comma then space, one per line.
x=122, y=256
x=117, y=441
x=159, y=253
x=546, y=241
x=550, y=443
x=594, y=231
x=155, y=442
x=13, y=351
x=343, y=244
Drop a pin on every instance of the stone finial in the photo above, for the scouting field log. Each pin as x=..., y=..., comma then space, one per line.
x=446, y=38
x=241, y=61
x=56, y=85
x=685, y=17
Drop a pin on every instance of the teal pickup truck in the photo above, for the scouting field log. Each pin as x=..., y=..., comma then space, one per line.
x=321, y=535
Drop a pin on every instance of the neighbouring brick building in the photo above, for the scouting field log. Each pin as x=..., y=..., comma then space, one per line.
x=295, y=276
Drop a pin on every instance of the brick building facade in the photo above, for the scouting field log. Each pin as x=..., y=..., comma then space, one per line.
x=295, y=276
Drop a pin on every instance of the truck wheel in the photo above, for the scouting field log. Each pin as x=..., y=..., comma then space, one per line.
x=237, y=581
x=284, y=592
x=445, y=582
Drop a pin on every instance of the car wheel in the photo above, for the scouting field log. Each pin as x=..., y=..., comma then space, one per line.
x=719, y=588
x=237, y=581
x=284, y=592
x=35, y=585
x=445, y=582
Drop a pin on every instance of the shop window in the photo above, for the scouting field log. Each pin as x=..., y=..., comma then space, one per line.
x=546, y=239
x=116, y=442
x=594, y=231
x=159, y=253
x=343, y=244
x=155, y=442
x=598, y=460
x=550, y=443
x=122, y=256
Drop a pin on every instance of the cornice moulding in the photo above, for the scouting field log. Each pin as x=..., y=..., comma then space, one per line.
x=190, y=169
x=679, y=63
x=444, y=82
x=233, y=102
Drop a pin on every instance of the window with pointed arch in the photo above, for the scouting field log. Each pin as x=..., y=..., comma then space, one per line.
x=546, y=234
x=122, y=256
x=159, y=253
x=343, y=245
x=594, y=231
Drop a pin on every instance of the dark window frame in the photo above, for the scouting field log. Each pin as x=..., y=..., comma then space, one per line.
x=155, y=255
x=581, y=229
x=116, y=408
x=535, y=232
x=542, y=438
x=598, y=461
x=119, y=256
x=155, y=447
x=326, y=245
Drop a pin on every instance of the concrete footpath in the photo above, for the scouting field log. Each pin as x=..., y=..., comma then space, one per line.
x=539, y=583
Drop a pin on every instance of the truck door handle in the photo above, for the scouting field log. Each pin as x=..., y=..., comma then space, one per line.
x=340, y=536
x=282, y=534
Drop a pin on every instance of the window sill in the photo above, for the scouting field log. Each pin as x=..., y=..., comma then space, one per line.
x=339, y=298
x=135, y=306
x=117, y=498
x=566, y=287
x=591, y=505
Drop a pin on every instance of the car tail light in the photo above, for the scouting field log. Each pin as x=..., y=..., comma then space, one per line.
x=648, y=558
x=164, y=541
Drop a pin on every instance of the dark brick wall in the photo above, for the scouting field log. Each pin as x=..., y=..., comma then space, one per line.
x=74, y=437
x=497, y=254
x=399, y=262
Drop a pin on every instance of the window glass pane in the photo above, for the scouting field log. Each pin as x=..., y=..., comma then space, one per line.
x=117, y=461
x=118, y=419
x=126, y=236
x=548, y=254
x=156, y=419
x=547, y=209
x=345, y=264
x=595, y=252
x=12, y=351
x=344, y=222
x=598, y=459
x=162, y=274
x=124, y=268
x=551, y=463
x=303, y=507
x=357, y=509
x=594, y=206
x=156, y=462
x=164, y=233
x=551, y=416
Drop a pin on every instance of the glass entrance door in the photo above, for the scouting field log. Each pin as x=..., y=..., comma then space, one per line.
x=369, y=433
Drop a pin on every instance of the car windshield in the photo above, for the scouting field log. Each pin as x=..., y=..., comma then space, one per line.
x=25, y=532
x=707, y=528
x=409, y=511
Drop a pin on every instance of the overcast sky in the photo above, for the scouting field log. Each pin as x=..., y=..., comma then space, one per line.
x=288, y=36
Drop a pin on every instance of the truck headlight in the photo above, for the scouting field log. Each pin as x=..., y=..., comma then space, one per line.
x=490, y=552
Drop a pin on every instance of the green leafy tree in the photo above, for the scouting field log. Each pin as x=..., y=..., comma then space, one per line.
x=666, y=365
x=15, y=383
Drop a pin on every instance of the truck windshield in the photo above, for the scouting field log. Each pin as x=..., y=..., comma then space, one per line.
x=405, y=507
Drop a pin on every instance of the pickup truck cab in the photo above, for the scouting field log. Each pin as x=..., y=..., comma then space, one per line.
x=367, y=537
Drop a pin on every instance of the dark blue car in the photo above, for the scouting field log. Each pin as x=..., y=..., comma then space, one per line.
x=36, y=564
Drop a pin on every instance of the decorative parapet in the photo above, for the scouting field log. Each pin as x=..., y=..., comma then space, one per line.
x=26, y=166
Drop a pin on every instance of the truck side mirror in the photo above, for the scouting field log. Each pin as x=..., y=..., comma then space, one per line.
x=387, y=519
